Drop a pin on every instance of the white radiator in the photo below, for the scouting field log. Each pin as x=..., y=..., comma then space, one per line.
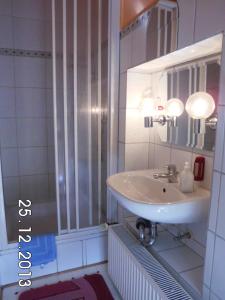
x=136, y=273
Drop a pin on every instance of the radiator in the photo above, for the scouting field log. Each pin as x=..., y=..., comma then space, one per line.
x=136, y=273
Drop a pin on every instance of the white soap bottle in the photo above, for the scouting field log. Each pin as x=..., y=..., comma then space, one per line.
x=186, y=179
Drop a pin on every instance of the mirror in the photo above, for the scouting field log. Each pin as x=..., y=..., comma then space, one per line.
x=179, y=75
x=200, y=75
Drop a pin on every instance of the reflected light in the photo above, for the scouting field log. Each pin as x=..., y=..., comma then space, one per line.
x=95, y=110
x=200, y=105
x=174, y=107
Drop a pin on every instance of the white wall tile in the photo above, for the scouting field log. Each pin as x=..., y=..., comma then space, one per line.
x=182, y=258
x=49, y=97
x=194, y=278
x=8, y=134
x=49, y=76
x=9, y=162
x=195, y=245
x=199, y=231
x=125, y=53
x=31, y=102
x=205, y=293
x=5, y=7
x=217, y=284
x=69, y=256
x=121, y=159
x=162, y=156
x=137, y=84
x=179, y=157
x=7, y=102
x=101, y=251
x=32, y=9
x=186, y=22
x=135, y=130
x=165, y=241
x=50, y=129
x=123, y=90
x=33, y=161
x=122, y=125
x=214, y=297
x=30, y=72
x=219, y=139
x=221, y=209
x=138, y=44
x=136, y=156
x=209, y=10
x=209, y=258
x=151, y=157
x=51, y=159
x=30, y=34
x=6, y=71
x=11, y=190
x=6, y=32
x=10, y=262
x=35, y=187
x=52, y=188
x=32, y=132
x=214, y=201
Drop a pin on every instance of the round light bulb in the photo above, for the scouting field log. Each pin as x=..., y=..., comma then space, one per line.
x=174, y=107
x=200, y=105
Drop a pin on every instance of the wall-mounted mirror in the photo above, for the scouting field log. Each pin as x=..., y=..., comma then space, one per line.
x=181, y=75
x=198, y=75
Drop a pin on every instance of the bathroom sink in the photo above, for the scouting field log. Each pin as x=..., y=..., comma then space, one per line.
x=156, y=199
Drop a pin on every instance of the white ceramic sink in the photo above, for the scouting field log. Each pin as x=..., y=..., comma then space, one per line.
x=156, y=199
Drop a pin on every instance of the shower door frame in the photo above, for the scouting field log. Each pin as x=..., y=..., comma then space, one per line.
x=112, y=134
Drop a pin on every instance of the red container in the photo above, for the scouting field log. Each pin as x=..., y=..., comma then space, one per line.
x=199, y=168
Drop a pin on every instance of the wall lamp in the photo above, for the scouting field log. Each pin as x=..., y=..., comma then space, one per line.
x=165, y=115
x=199, y=106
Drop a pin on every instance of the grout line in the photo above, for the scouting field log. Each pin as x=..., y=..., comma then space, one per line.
x=192, y=269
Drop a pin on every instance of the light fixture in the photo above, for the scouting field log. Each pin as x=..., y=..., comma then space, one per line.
x=148, y=108
x=174, y=107
x=162, y=112
x=200, y=106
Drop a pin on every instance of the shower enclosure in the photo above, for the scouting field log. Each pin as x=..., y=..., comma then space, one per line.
x=58, y=114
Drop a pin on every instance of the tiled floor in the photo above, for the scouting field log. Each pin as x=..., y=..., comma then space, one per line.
x=182, y=259
x=11, y=293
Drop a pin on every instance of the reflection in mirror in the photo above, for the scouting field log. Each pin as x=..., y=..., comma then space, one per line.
x=183, y=74
x=201, y=75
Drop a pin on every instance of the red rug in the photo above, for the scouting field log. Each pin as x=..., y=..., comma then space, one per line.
x=89, y=287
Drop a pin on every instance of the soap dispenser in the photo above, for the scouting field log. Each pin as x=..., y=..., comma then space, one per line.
x=186, y=179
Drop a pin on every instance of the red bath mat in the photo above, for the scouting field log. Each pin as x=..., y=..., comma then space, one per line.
x=89, y=287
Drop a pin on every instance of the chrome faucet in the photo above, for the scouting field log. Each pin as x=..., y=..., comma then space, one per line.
x=171, y=174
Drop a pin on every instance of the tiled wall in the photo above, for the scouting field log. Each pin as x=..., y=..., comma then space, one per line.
x=26, y=127
x=140, y=148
